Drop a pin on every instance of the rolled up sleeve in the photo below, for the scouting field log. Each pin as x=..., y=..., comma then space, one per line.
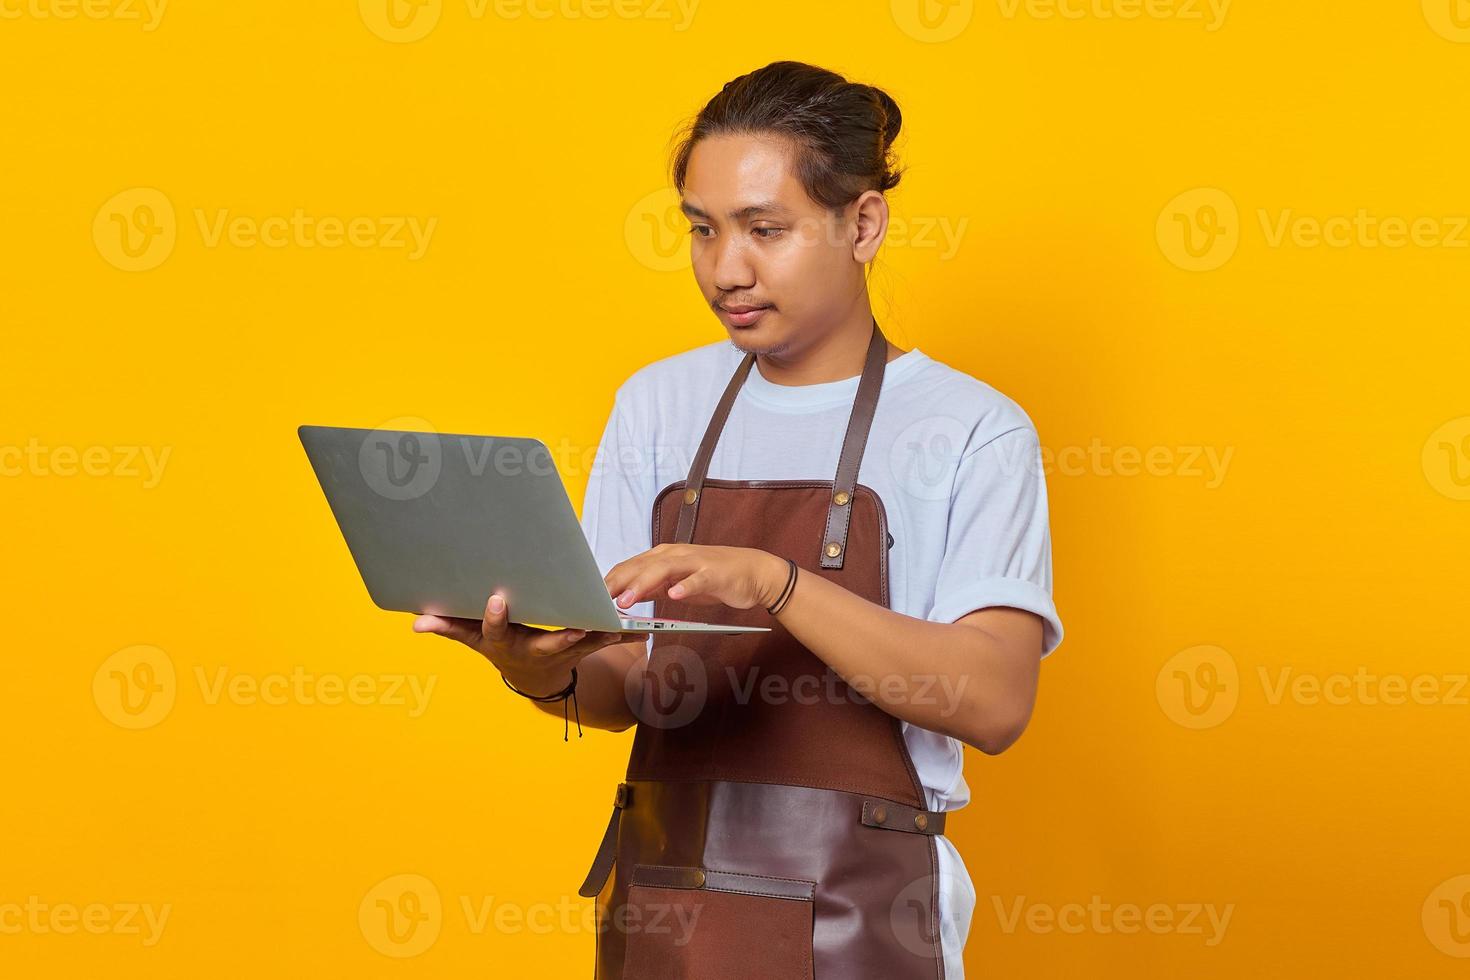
x=998, y=546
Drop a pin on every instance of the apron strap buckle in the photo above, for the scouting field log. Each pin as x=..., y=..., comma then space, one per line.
x=887, y=815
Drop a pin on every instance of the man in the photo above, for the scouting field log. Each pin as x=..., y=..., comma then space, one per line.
x=884, y=513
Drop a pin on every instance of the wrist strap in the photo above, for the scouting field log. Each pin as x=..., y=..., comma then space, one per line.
x=570, y=691
x=785, y=595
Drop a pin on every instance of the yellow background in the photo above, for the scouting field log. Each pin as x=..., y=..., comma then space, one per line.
x=1067, y=154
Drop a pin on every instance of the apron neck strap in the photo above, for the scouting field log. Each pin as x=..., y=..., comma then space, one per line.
x=839, y=509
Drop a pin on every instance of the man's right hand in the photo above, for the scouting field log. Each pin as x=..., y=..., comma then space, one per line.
x=535, y=661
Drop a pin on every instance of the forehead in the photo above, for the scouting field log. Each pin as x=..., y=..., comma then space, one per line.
x=730, y=172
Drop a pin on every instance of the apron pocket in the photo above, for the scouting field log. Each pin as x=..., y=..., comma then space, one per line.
x=687, y=923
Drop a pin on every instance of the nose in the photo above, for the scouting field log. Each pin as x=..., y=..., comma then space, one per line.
x=732, y=269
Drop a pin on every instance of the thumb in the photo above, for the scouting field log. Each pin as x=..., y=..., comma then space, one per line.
x=496, y=625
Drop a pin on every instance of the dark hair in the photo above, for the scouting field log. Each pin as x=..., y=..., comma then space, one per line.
x=843, y=131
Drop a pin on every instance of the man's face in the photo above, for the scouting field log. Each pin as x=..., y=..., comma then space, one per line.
x=777, y=267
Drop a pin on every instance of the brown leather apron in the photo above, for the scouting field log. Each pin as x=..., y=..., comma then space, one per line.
x=771, y=824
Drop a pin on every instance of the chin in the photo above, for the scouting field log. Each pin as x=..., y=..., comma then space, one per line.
x=750, y=345
x=760, y=339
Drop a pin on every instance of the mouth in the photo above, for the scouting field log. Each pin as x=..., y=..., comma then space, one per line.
x=742, y=315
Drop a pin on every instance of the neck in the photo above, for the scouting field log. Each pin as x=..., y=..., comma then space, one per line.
x=839, y=353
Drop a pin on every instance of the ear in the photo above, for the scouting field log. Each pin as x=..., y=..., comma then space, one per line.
x=870, y=216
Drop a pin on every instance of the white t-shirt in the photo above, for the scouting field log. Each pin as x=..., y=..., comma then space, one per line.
x=956, y=464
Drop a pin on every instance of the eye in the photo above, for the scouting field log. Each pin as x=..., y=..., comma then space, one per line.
x=766, y=232
x=699, y=230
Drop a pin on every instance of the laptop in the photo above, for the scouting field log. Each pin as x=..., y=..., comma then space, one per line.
x=436, y=522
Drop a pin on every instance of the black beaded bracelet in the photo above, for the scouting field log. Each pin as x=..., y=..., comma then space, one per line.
x=781, y=600
x=570, y=691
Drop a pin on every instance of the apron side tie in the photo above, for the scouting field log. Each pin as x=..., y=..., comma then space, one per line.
x=607, y=851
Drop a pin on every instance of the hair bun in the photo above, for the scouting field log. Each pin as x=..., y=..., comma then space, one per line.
x=892, y=116
x=842, y=131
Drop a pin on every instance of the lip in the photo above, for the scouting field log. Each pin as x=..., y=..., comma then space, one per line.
x=743, y=316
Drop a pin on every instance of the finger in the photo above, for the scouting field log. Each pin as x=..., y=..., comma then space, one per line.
x=495, y=627
x=619, y=576
x=649, y=576
x=609, y=638
x=555, y=641
x=691, y=585
x=625, y=572
x=466, y=631
x=653, y=577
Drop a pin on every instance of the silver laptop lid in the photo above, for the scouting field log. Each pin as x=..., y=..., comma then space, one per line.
x=436, y=522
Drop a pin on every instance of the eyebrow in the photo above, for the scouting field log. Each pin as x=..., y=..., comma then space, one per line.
x=740, y=214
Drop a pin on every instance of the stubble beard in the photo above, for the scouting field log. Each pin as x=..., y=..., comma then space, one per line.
x=758, y=350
